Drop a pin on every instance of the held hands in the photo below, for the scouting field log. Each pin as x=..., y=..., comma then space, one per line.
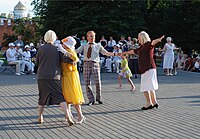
x=62, y=50
x=118, y=54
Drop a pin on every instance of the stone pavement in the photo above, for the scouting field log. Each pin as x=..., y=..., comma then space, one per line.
x=178, y=115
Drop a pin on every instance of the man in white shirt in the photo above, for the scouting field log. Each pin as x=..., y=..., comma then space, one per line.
x=91, y=66
x=11, y=54
x=111, y=44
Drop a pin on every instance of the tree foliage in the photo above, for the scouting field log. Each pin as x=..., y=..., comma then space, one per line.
x=175, y=18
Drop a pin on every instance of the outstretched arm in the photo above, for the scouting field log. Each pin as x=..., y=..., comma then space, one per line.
x=154, y=42
x=162, y=50
x=129, y=52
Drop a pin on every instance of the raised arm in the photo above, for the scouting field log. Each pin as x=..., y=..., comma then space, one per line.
x=154, y=42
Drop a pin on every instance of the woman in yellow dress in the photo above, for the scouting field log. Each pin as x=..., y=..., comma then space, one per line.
x=71, y=85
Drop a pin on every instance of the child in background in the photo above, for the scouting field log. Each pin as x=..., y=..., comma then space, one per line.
x=125, y=72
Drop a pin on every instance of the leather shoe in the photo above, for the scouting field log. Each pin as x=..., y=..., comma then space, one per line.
x=155, y=105
x=147, y=108
x=100, y=102
x=90, y=103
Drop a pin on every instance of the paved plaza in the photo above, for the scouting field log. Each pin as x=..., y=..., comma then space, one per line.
x=178, y=115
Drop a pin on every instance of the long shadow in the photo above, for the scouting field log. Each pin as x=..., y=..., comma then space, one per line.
x=29, y=95
x=61, y=115
x=180, y=97
x=18, y=108
x=48, y=124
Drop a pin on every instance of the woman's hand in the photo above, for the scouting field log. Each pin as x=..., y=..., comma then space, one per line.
x=160, y=39
x=62, y=50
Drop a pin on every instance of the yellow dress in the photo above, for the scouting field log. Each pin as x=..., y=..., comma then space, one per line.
x=71, y=85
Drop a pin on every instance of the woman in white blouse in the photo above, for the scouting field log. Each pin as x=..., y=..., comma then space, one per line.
x=27, y=59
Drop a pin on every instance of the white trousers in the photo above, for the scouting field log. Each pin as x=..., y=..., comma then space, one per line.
x=20, y=65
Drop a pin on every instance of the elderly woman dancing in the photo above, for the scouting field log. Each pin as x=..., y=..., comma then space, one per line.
x=48, y=60
x=71, y=85
x=147, y=68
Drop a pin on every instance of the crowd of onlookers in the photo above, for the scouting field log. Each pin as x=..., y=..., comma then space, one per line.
x=22, y=56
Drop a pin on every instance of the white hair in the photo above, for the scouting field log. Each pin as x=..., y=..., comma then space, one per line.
x=168, y=39
x=50, y=36
x=144, y=37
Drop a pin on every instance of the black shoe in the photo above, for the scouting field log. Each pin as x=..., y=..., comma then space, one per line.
x=100, y=102
x=147, y=108
x=91, y=103
x=155, y=105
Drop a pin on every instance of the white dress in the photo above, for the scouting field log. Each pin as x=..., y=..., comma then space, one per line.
x=169, y=56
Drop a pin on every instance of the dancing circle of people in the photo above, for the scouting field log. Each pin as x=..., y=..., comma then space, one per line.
x=58, y=76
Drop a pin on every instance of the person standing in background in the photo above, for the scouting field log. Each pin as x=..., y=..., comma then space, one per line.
x=20, y=42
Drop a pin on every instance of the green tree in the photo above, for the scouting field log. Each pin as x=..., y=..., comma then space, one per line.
x=176, y=18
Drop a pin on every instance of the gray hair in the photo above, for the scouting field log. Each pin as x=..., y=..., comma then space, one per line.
x=168, y=39
x=50, y=36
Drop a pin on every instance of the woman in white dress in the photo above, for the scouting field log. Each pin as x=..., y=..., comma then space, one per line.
x=168, y=61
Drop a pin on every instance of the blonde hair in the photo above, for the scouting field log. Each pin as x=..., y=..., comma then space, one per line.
x=144, y=37
x=90, y=32
x=50, y=36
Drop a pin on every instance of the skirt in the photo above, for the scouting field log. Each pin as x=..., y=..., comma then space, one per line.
x=72, y=90
x=50, y=92
x=149, y=81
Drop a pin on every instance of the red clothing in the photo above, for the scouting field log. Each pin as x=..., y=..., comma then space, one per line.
x=145, y=60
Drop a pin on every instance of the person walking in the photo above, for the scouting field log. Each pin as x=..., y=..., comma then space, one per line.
x=48, y=60
x=147, y=68
x=92, y=67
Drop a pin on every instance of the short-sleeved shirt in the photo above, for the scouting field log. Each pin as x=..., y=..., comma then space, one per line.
x=96, y=49
x=145, y=60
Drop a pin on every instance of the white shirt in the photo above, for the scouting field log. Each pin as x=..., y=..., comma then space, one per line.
x=111, y=43
x=26, y=56
x=10, y=54
x=196, y=65
x=96, y=48
x=117, y=58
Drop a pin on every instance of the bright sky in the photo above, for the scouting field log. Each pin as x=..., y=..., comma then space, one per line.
x=7, y=6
